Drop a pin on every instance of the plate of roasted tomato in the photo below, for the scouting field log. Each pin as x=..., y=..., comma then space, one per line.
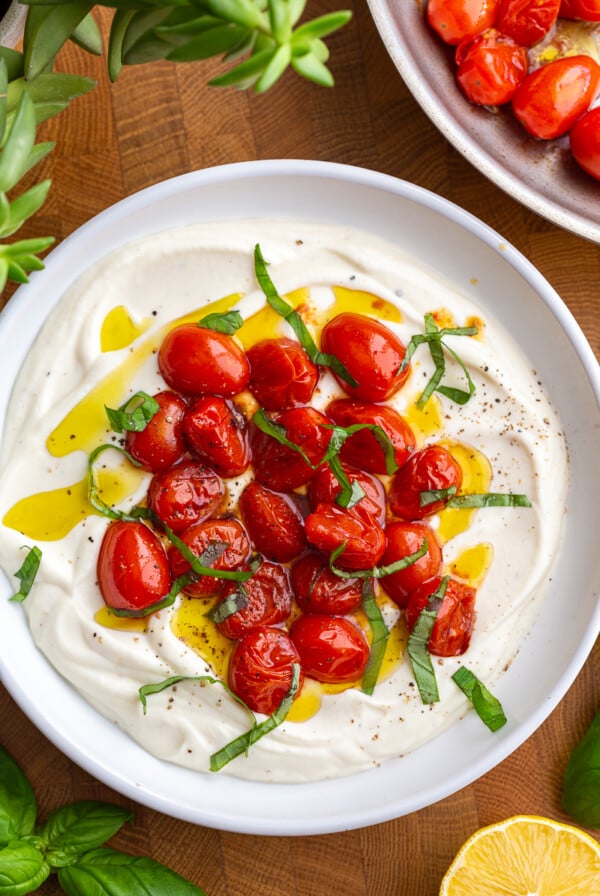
x=289, y=526
x=513, y=85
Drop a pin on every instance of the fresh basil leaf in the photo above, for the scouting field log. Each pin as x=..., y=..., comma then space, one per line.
x=488, y=708
x=107, y=872
x=134, y=415
x=436, y=494
x=489, y=499
x=227, y=323
x=233, y=603
x=147, y=690
x=376, y=572
x=74, y=829
x=581, y=785
x=136, y=513
x=17, y=801
x=417, y=647
x=22, y=869
x=178, y=585
x=27, y=573
x=379, y=637
x=201, y=565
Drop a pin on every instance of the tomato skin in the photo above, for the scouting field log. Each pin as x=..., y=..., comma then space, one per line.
x=318, y=590
x=260, y=668
x=402, y=539
x=273, y=521
x=584, y=140
x=550, y=99
x=490, y=67
x=456, y=20
x=161, y=443
x=198, y=538
x=362, y=449
x=588, y=10
x=324, y=488
x=451, y=633
x=331, y=648
x=132, y=568
x=281, y=468
x=281, y=374
x=187, y=493
x=371, y=353
x=198, y=361
x=269, y=601
x=429, y=469
x=527, y=21
x=216, y=433
x=329, y=526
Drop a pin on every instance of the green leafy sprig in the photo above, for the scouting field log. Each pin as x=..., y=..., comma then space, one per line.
x=26, y=574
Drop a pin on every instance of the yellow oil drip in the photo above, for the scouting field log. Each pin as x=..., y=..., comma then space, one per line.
x=49, y=516
x=191, y=625
x=424, y=422
x=477, y=476
x=267, y=323
x=362, y=303
x=308, y=702
x=473, y=564
x=106, y=619
x=119, y=330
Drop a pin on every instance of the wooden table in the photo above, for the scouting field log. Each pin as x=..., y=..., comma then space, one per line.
x=161, y=121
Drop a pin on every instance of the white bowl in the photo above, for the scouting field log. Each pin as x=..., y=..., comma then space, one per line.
x=461, y=248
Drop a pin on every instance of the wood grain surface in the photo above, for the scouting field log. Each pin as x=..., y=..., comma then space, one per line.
x=159, y=121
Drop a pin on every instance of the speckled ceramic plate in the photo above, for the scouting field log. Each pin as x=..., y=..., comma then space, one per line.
x=542, y=175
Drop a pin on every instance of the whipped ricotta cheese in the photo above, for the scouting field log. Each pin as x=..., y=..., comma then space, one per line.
x=99, y=346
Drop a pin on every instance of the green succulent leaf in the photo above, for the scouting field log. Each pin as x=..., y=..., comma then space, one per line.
x=24, y=206
x=87, y=36
x=47, y=29
x=14, y=61
x=118, y=29
x=18, y=146
x=311, y=68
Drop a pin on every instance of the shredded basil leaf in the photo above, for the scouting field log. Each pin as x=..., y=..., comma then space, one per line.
x=490, y=499
x=201, y=564
x=376, y=572
x=147, y=690
x=379, y=637
x=134, y=415
x=417, y=647
x=178, y=585
x=232, y=604
x=136, y=513
x=243, y=743
x=228, y=322
x=436, y=494
x=27, y=573
x=296, y=323
x=488, y=708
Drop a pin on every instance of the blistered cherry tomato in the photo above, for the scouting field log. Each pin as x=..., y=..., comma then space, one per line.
x=401, y=540
x=550, y=99
x=200, y=537
x=451, y=633
x=490, y=67
x=281, y=374
x=216, y=432
x=324, y=488
x=584, y=140
x=527, y=21
x=161, y=443
x=318, y=590
x=456, y=20
x=187, y=493
x=370, y=352
x=588, y=10
x=331, y=648
x=268, y=601
x=260, y=668
x=430, y=469
x=198, y=361
x=362, y=448
x=132, y=568
x=281, y=468
x=330, y=526
x=273, y=521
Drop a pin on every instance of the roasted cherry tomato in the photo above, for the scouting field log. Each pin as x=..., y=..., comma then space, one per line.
x=267, y=600
x=281, y=468
x=260, y=668
x=588, y=10
x=362, y=448
x=161, y=443
x=456, y=20
x=330, y=526
x=550, y=99
x=202, y=536
x=430, y=469
x=216, y=432
x=451, y=633
x=370, y=352
x=133, y=571
x=318, y=590
x=281, y=374
x=401, y=540
x=527, y=21
x=584, y=139
x=490, y=67
x=187, y=493
x=198, y=361
x=331, y=648
x=324, y=488
x=273, y=521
